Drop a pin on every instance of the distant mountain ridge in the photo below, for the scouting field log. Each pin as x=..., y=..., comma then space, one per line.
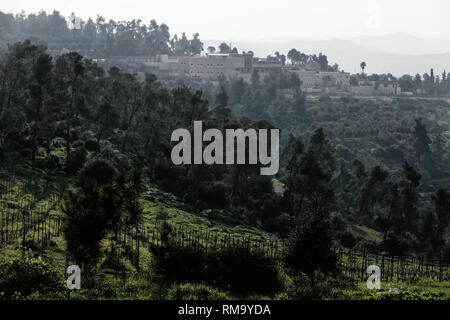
x=401, y=43
x=395, y=53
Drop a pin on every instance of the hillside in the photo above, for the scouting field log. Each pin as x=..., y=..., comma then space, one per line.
x=89, y=179
x=126, y=279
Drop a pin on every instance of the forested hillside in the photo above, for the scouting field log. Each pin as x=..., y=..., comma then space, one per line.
x=355, y=173
x=66, y=113
x=99, y=38
x=377, y=131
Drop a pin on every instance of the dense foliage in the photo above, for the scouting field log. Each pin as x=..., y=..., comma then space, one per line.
x=19, y=278
x=237, y=269
x=99, y=38
x=379, y=163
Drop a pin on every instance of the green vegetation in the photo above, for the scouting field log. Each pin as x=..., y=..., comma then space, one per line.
x=99, y=38
x=422, y=290
x=87, y=178
x=19, y=278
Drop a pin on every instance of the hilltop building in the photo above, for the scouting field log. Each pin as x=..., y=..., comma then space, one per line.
x=322, y=81
x=376, y=87
x=211, y=67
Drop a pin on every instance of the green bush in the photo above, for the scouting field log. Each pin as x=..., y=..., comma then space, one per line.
x=413, y=294
x=101, y=290
x=24, y=277
x=243, y=271
x=348, y=240
x=76, y=160
x=180, y=264
x=326, y=286
x=215, y=194
x=98, y=170
x=281, y=225
x=92, y=145
x=237, y=269
x=195, y=291
x=398, y=244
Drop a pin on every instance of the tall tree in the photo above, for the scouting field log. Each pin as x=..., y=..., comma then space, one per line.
x=363, y=66
x=441, y=201
x=221, y=98
x=42, y=73
x=421, y=139
x=224, y=48
x=68, y=81
x=310, y=245
x=409, y=197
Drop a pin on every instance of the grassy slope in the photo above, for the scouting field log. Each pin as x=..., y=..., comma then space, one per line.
x=22, y=192
x=423, y=290
x=136, y=285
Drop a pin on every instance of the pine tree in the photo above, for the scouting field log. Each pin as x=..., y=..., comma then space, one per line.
x=310, y=245
x=441, y=201
x=409, y=197
x=221, y=98
x=421, y=139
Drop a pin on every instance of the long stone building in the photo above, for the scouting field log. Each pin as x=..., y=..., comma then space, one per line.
x=322, y=81
x=210, y=67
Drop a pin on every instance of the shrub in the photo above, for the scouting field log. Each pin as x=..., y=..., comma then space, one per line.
x=99, y=170
x=237, y=269
x=326, y=287
x=348, y=240
x=112, y=260
x=53, y=162
x=162, y=214
x=368, y=245
x=92, y=145
x=98, y=291
x=30, y=246
x=180, y=264
x=192, y=291
x=215, y=194
x=244, y=271
x=414, y=294
x=76, y=160
x=23, y=277
x=397, y=244
x=280, y=225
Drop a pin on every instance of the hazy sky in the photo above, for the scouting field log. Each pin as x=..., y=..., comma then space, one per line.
x=248, y=19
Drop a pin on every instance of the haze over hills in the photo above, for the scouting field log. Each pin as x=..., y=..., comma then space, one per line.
x=392, y=53
x=401, y=43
